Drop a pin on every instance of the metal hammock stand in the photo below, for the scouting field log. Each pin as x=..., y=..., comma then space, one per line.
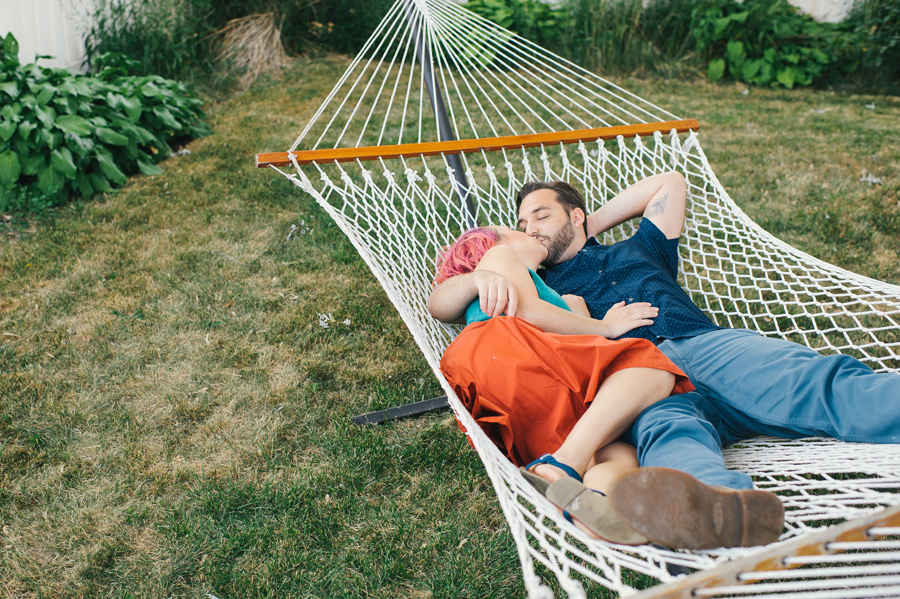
x=401, y=184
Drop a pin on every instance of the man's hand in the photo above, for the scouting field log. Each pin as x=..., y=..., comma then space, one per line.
x=496, y=294
x=622, y=318
x=577, y=305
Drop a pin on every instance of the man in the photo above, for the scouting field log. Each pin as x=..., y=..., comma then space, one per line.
x=747, y=385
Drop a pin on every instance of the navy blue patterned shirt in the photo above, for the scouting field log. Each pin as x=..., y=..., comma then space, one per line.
x=643, y=268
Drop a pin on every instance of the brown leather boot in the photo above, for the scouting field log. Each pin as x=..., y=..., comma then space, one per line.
x=675, y=509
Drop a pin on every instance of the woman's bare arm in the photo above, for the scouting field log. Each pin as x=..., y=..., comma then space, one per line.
x=577, y=304
x=503, y=261
x=449, y=300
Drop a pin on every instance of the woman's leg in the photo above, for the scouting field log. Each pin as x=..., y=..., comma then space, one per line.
x=620, y=399
x=610, y=461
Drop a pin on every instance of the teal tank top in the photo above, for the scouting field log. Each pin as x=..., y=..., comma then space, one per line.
x=474, y=313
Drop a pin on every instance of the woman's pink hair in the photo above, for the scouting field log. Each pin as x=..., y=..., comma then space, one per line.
x=464, y=254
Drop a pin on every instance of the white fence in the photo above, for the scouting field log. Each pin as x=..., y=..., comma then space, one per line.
x=831, y=11
x=47, y=27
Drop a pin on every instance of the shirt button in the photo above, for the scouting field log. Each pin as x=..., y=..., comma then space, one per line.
x=613, y=282
x=630, y=299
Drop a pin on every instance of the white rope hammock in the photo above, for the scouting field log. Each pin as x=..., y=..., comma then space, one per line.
x=399, y=207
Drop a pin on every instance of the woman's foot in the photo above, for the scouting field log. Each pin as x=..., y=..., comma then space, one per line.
x=587, y=509
x=590, y=511
x=551, y=469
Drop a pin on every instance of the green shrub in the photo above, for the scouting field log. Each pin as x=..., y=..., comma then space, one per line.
x=666, y=25
x=763, y=42
x=605, y=34
x=338, y=25
x=610, y=35
x=870, y=42
x=760, y=42
x=65, y=134
x=534, y=20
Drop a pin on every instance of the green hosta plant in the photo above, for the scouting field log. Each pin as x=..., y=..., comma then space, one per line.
x=762, y=42
x=65, y=134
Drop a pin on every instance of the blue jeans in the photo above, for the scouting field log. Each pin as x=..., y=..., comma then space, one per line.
x=750, y=385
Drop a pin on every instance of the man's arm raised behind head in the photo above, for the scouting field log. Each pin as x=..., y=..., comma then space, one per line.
x=660, y=198
x=449, y=300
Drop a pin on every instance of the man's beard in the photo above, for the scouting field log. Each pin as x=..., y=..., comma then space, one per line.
x=558, y=244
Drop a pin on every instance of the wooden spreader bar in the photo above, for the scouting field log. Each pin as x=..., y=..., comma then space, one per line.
x=780, y=557
x=468, y=146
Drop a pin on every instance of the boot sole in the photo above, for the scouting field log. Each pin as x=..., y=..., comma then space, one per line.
x=675, y=509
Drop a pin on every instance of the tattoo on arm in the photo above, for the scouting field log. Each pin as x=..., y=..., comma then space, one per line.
x=657, y=207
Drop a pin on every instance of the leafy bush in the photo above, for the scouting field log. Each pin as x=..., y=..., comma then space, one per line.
x=339, y=25
x=871, y=41
x=534, y=20
x=764, y=42
x=63, y=133
x=761, y=42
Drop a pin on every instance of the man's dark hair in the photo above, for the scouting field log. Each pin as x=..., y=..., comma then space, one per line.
x=566, y=195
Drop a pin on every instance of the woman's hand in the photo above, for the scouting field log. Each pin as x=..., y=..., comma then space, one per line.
x=622, y=318
x=496, y=293
x=503, y=281
x=449, y=300
x=577, y=304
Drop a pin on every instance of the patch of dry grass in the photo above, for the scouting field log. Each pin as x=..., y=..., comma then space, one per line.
x=251, y=45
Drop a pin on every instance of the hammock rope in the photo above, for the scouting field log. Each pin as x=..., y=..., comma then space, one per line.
x=399, y=208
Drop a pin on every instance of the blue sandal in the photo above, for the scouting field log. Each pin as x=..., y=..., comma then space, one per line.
x=551, y=461
x=541, y=483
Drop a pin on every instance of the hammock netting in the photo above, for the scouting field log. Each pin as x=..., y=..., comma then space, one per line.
x=399, y=209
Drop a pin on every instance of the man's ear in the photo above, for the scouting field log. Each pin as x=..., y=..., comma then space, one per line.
x=577, y=216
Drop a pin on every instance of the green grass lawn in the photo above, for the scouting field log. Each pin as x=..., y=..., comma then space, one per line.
x=174, y=421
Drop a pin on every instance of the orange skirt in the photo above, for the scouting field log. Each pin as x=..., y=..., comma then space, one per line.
x=527, y=388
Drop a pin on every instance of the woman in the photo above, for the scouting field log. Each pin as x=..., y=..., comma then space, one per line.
x=548, y=382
